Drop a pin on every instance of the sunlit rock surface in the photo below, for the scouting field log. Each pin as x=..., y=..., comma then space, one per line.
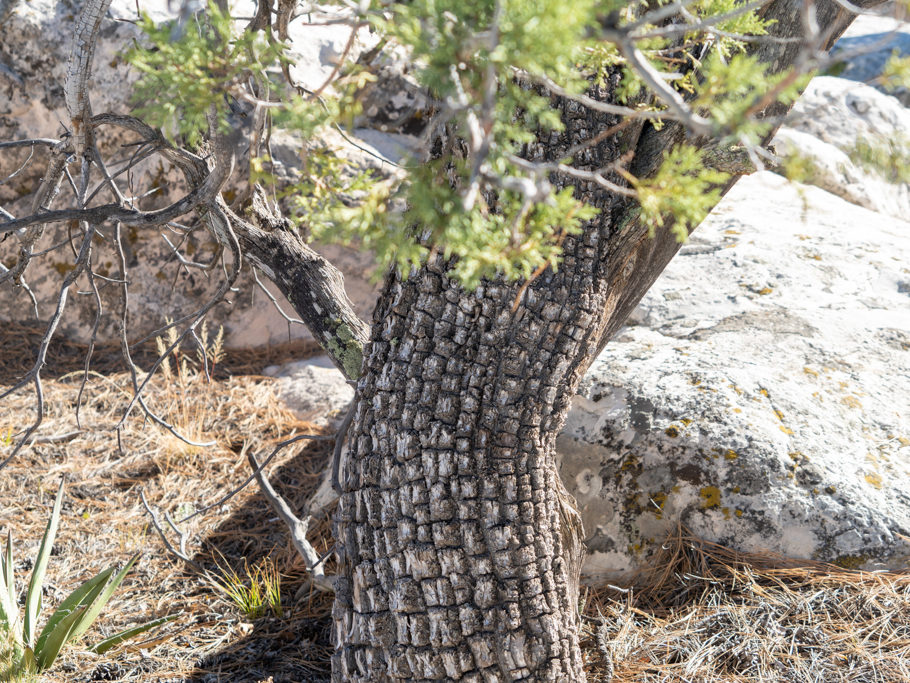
x=827, y=126
x=761, y=392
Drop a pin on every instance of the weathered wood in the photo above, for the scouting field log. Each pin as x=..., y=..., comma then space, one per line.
x=80, y=64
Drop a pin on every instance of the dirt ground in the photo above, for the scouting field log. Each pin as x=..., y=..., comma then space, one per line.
x=703, y=613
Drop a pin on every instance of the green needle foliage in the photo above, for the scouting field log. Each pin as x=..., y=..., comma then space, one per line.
x=485, y=65
x=889, y=158
x=33, y=651
x=205, y=66
x=896, y=73
x=683, y=189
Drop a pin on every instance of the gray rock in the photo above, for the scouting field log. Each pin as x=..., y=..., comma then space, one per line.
x=836, y=113
x=867, y=45
x=760, y=394
x=827, y=122
x=313, y=389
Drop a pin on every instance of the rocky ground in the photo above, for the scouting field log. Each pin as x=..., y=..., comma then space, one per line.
x=702, y=612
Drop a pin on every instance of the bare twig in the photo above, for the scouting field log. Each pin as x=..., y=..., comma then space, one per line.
x=298, y=527
x=34, y=375
x=287, y=442
x=339, y=445
x=341, y=60
x=181, y=554
x=80, y=63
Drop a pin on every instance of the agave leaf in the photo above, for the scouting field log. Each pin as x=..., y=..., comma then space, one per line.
x=33, y=596
x=101, y=599
x=106, y=644
x=56, y=639
x=8, y=608
x=83, y=596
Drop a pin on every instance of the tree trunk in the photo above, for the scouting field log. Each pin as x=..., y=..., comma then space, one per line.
x=459, y=547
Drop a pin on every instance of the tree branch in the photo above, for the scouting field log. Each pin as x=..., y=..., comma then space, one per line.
x=313, y=286
x=297, y=527
x=78, y=69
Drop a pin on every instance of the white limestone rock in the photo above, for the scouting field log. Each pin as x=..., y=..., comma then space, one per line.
x=313, y=389
x=825, y=125
x=868, y=44
x=761, y=392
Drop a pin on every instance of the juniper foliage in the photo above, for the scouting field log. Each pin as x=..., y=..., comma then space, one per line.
x=480, y=62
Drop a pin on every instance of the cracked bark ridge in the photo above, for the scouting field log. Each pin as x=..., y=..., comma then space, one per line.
x=459, y=546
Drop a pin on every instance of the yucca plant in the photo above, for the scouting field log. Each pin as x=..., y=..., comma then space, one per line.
x=36, y=651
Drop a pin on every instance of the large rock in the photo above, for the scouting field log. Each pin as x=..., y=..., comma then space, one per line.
x=834, y=114
x=761, y=392
x=313, y=389
x=831, y=117
x=868, y=44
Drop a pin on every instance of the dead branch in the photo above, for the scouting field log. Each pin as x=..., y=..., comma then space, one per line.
x=225, y=498
x=297, y=527
x=75, y=88
x=180, y=554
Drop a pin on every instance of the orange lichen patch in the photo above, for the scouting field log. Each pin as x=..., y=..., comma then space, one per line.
x=672, y=431
x=874, y=479
x=798, y=457
x=852, y=402
x=710, y=496
x=62, y=267
x=657, y=500
x=631, y=462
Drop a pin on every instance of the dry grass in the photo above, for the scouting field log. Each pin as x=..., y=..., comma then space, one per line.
x=103, y=522
x=705, y=614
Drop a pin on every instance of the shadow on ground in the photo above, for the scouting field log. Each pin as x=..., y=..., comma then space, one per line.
x=295, y=648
